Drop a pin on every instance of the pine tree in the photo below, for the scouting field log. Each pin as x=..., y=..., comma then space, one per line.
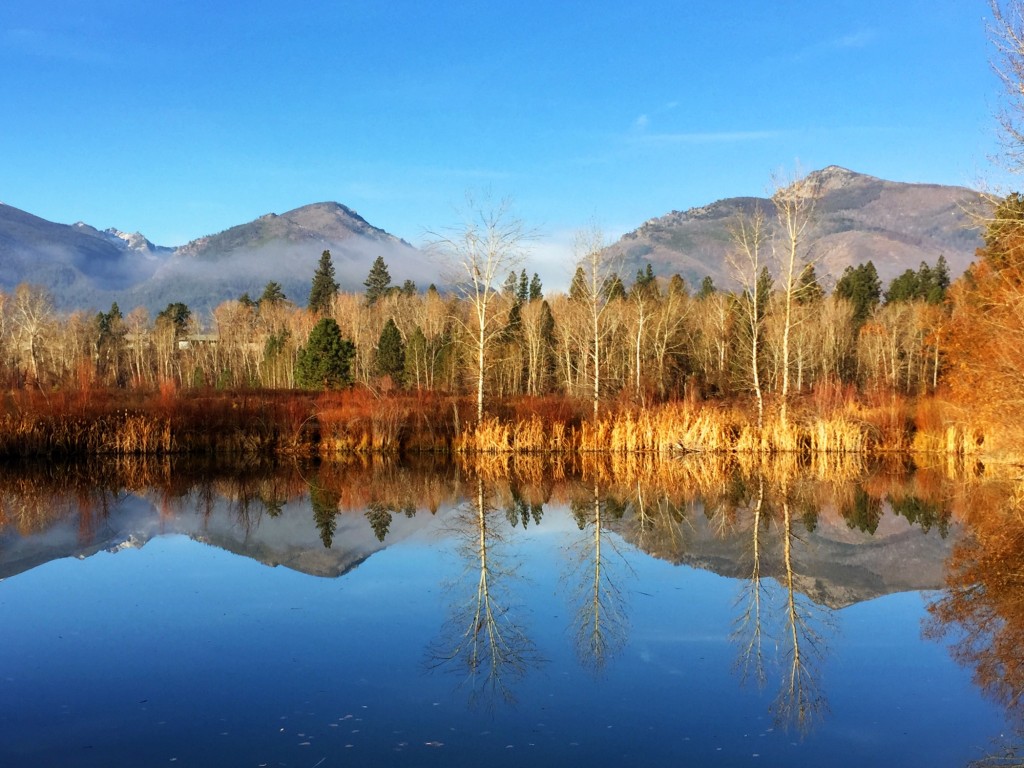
x=523, y=291
x=612, y=288
x=578, y=287
x=272, y=294
x=324, y=287
x=380, y=519
x=861, y=286
x=511, y=283
x=377, y=282
x=325, y=360
x=707, y=288
x=536, y=289
x=390, y=358
x=809, y=290
x=178, y=315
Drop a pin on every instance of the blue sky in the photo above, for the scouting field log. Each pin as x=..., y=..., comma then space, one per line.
x=178, y=121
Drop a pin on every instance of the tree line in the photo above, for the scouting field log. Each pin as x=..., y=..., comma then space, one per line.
x=648, y=338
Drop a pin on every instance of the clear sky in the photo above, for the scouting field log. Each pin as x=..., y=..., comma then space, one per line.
x=180, y=119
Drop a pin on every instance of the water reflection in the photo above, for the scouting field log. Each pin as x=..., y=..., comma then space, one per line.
x=600, y=626
x=802, y=541
x=982, y=606
x=484, y=635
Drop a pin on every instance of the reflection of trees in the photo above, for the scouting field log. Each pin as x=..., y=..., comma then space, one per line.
x=748, y=628
x=801, y=701
x=983, y=608
x=325, y=510
x=799, y=643
x=483, y=636
x=600, y=616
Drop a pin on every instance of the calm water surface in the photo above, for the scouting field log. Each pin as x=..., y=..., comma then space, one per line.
x=148, y=628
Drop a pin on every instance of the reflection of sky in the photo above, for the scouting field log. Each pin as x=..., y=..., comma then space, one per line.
x=182, y=650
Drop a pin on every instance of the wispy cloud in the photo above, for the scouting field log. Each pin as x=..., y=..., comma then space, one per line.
x=850, y=41
x=706, y=137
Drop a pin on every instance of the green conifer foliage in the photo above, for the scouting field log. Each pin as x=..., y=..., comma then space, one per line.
x=861, y=286
x=390, y=358
x=378, y=281
x=324, y=287
x=707, y=288
x=273, y=293
x=325, y=360
x=536, y=289
x=578, y=287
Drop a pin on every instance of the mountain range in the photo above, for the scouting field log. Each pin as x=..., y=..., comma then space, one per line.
x=838, y=566
x=83, y=267
x=857, y=218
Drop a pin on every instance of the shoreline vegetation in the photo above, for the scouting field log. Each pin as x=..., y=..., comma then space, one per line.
x=331, y=424
x=775, y=366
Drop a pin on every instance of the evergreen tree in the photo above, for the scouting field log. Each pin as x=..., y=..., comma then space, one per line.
x=523, y=291
x=809, y=290
x=905, y=287
x=860, y=285
x=646, y=284
x=390, y=358
x=325, y=360
x=272, y=294
x=377, y=282
x=578, y=287
x=325, y=512
x=536, y=289
x=178, y=315
x=613, y=288
x=246, y=300
x=408, y=288
x=547, y=334
x=511, y=285
x=707, y=288
x=935, y=290
x=677, y=286
x=324, y=287
x=380, y=519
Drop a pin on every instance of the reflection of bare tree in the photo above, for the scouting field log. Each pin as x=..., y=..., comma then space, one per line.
x=748, y=628
x=800, y=701
x=601, y=625
x=483, y=637
x=983, y=608
x=797, y=630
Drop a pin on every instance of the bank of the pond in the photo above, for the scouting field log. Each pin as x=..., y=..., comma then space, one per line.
x=360, y=421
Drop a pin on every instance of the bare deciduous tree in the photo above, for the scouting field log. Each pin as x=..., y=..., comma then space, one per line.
x=488, y=244
x=749, y=235
x=795, y=200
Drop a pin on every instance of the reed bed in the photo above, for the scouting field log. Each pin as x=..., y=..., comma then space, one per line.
x=360, y=421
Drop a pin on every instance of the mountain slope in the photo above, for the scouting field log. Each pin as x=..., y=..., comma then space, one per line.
x=71, y=260
x=284, y=248
x=857, y=218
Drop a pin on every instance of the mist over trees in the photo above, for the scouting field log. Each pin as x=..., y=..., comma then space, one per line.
x=651, y=339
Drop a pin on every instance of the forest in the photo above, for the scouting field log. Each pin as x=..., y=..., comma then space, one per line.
x=787, y=360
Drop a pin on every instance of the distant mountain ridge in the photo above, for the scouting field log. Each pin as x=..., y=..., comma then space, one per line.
x=858, y=218
x=84, y=267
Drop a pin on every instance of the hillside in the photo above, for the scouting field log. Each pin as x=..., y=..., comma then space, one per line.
x=858, y=218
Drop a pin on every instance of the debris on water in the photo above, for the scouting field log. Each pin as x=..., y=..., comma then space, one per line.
x=434, y=743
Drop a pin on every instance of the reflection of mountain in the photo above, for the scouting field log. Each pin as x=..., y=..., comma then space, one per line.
x=290, y=539
x=835, y=565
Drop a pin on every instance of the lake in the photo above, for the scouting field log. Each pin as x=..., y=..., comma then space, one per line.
x=379, y=613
